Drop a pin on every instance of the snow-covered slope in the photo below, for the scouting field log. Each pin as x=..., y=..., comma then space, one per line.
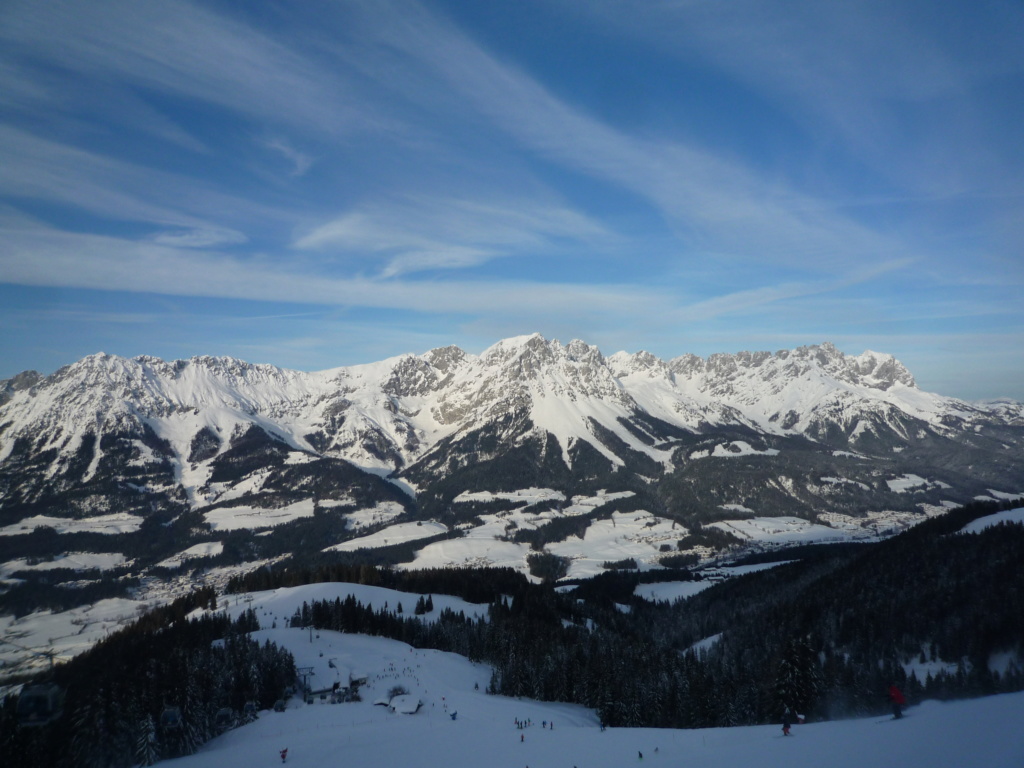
x=458, y=725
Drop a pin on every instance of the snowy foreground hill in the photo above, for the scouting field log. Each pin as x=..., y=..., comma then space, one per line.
x=982, y=732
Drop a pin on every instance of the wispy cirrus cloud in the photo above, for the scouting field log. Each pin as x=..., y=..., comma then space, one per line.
x=112, y=189
x=415, y=233
x=300, y=161
x=36, y=255
x=184, y=49
x=894, y=85
x=717, y=203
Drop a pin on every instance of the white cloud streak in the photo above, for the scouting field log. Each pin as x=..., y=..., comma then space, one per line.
x=35, y=168
x=301, y=162
x=415, y=233
x=893, y=83
x=37, y=256
x=184, y=49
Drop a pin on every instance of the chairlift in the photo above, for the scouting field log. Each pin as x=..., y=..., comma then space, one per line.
x=170, y=718
x=224, y=719
x=40, y=705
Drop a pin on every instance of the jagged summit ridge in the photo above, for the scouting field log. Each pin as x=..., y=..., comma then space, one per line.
x=389, y=415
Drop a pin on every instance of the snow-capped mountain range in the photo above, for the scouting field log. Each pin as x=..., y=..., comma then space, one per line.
x=805, y=432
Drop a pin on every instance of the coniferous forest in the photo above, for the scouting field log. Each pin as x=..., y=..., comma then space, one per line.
x=151, y=691
x=824, y=635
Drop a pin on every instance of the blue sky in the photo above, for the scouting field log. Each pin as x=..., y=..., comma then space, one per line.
x=327, y=183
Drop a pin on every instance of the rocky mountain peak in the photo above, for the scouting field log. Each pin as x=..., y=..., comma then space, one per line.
x=18, y=383
x=445, y=359
x=880, y=371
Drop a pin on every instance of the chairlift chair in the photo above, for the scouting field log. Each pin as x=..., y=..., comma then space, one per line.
x=224, y=719
x=40, y=705
x=170, y=718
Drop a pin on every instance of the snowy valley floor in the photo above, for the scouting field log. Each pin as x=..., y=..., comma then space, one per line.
x=984, y=732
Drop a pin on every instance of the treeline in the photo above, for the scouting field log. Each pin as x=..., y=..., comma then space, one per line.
x=115, y=694
x=475, y=585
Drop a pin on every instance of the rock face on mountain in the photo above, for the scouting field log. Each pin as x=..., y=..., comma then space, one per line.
x=799, y=432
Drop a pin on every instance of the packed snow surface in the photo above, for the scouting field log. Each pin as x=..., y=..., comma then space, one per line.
x=459, y=726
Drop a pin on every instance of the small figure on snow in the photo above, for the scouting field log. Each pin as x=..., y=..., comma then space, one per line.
x=898, y=700
x=284, y=755
x=787, y=722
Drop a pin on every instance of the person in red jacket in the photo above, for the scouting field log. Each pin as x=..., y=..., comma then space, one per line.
x=897, y=699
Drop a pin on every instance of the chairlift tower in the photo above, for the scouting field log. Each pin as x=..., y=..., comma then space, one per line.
x=305, y=673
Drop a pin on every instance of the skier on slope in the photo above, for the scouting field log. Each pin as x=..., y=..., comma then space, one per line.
x=787, y=722
x=898, y=701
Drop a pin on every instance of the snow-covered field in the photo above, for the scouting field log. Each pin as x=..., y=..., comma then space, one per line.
x=670, y=591
x=908, y=483
x=118, y=522
x=75, y=561
x=384, y=512
x=731, y=450
x=527, y=496
x=639, y=535
x=1009, y=516
x=779, y=530
x=64, y=634
x=400, y=533
x=982, y=732
x=206, y=549
x=233, y=518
